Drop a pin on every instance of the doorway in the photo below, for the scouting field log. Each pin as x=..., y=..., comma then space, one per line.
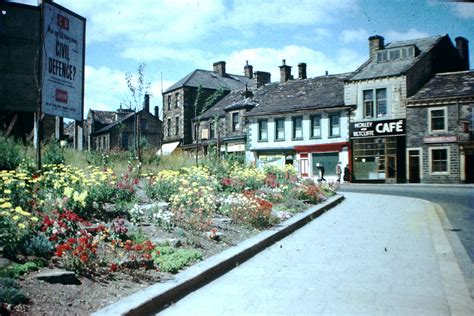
x=391, y=169
x=469, y=168
x=414, y=166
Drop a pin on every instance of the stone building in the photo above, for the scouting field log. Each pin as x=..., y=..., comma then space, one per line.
x=117, y=130
x=440, y=130
x=178, y=100
x=378, y=90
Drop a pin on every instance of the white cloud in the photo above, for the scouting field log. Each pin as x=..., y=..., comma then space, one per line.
x=269, y=59
x=392, y=36
x=464, y=10
x=354, y=36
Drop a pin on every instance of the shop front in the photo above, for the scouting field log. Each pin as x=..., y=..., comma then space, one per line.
x=378, y=151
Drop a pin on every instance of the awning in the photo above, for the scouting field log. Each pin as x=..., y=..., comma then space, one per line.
x=167, y=149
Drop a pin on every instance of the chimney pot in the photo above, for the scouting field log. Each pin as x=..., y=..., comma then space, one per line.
x=219, y=68
x=248, y=70
x=262, y=78
x=462, y=45
x=302, y=71
x=146, y=106
x=376, y=43
x=157, y=111
x=285, y=72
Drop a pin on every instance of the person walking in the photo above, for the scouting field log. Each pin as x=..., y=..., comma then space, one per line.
x=347, y=176
x=321, y=173
x=338, y=171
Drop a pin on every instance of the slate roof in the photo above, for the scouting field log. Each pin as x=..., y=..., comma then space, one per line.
x=233, y=101
x=210, y=80
x=447, y=85
x=296, y=95
x=372, y=69
x=110, y=126
x=104, y=117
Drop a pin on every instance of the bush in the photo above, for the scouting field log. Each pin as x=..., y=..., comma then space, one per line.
x=54, y=153
x=172, y=260
x=10, y=292
x=10, y=153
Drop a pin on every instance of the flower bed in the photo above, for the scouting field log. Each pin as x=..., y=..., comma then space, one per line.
x=95, y=223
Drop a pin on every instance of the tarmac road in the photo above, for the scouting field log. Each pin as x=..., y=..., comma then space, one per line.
x=371, y=254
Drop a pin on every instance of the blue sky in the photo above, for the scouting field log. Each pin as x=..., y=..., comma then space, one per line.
x=174, y=37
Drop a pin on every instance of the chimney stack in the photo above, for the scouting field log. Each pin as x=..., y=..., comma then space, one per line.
x=462, y=46
x=146, y=105
x=261, y=78
x=285, y=72
x=157, y=111
x=302, y=71
x=376, y=43
x=219, y=68
x=248, y=70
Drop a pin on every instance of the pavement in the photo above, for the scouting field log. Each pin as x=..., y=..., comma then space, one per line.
x=370, y=254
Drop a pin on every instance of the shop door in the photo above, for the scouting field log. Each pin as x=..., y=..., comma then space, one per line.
x=414, y=166
x=470, y=168
x=391, y=169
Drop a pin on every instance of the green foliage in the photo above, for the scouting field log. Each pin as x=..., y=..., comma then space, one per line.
x=16, y=270
x=199, y=101
x=54, y=153
x=172, y=260
x=39, y=246
x=213, y=99
x=10, y=292
x=138, y=237
x=11, y=153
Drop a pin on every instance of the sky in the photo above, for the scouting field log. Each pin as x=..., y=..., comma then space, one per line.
x=174, y=37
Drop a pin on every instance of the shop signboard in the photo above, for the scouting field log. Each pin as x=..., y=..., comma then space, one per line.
x=377, y=128
x=63, y=62
x=439, y=139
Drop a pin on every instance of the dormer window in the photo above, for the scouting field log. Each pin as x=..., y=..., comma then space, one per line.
x=397, y=53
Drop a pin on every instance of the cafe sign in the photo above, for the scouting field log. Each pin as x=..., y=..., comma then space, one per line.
x=377, y=128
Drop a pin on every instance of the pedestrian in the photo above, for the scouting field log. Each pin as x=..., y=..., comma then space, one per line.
x=347, y=176
x=321, y=173
x=338, y=171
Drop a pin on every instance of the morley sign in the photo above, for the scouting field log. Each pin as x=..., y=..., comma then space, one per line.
x=377, y=128
x=63, y=62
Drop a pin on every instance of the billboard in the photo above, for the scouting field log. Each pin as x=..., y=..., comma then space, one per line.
x=377, y=128
x=63, y=56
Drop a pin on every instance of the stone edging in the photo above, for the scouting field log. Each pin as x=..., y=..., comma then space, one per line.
x=156, y=297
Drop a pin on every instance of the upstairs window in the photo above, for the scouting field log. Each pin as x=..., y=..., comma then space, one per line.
x=211, y=131
x=438, y=120
x=263, y=130
x=297, y=127
x=334, y=125
x=143, y=125
x=235, y=121
x=176, y=100
x=168, y=128
x=375, y=103
x=280, y=129
x=169, y=102
x=316, y=126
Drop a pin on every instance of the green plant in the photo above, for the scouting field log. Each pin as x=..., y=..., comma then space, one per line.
x=54, y=153
x=172, y=260
x=10, y=292
x=16, y=270
x=10, y=153
x=138, y=236
x=39, y=246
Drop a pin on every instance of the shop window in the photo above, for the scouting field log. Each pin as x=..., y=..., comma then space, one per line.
x=334, y=125
x=439, y=160
x=263, y=130
x=375, y=103
x=280, y=129
x=235, y=121
x=297, y=127
x=438, y=120
x=326, y=160
x=316, y=126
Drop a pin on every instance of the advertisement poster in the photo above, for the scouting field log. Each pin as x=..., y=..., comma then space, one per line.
x=63, y=62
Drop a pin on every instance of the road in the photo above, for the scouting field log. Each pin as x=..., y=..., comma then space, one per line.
x=367, y=255
x=458, y=204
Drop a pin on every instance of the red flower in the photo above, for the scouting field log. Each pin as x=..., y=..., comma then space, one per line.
x=71, y=240
x=84, y=257
x=113, y=267
x=138, y=247
x=146, y=256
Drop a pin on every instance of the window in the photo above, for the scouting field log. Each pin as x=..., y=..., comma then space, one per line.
x=334, y=125
x=280, y=129
x=298, y=127
x=176, y=100
x=263, y=130
x=169, y=102
x=316, y=126
x=143, y=125
x=211, y=131
x=438, y=120
x=439, y=160
x=375, y=103
x=124, y=140
x=168, y=132
x=176, y=132
x=235, y=121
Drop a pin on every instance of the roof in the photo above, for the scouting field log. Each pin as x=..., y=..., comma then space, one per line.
x=210, y=80
x=233, y=101
x=104, y=117
x=447, y=85
x=295, y=95
x=372, y=69
x=111, y=126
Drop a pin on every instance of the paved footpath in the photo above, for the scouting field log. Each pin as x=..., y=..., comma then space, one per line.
x=371, y=254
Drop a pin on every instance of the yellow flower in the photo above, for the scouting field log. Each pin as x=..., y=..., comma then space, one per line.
x=68, y=192
x=21, y=226
x=16, y=217
x=34, y=219
x=7, y=191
